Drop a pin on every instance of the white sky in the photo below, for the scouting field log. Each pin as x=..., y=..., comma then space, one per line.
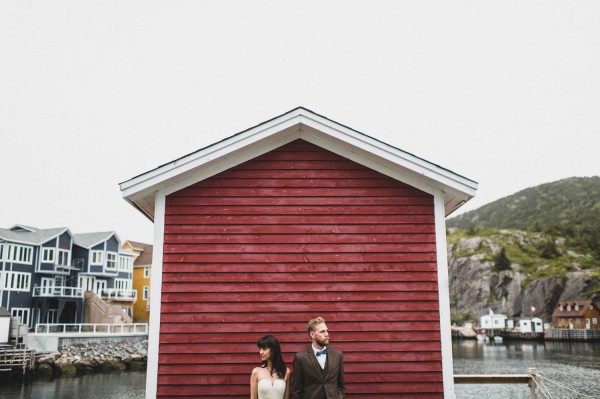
x=93, y=93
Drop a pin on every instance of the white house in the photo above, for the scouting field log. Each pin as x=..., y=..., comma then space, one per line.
x=528, y=325
x=493, y=321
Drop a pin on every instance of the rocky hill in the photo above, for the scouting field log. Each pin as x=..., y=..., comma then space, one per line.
x=521, y=252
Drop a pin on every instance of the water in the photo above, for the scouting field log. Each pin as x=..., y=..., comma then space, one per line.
x=573, y=364
x=125, y=385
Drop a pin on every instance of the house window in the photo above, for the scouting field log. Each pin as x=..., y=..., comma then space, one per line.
x=145, y=293
x=122, y=284
x=16, y=281
x=97, y=258
x=591, y=306
x=576, y=307
x=48, y=255
x=111, y=260
x=63, y=257
x=22, y=314
x=568, y=308
x=561, y=308
x=146, y=272
x=594, y=320
x=563, y=321
x=19, y=253
x=51, y=317
x=578, y=320
x=1, y=252
x=125, y=263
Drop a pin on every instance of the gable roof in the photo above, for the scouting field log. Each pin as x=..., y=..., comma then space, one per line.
x=89, y=240
x=145, y=253
x=299, y=123
x=30, y=235
x=582, y=304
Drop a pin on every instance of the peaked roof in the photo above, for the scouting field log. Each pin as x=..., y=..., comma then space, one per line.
x=299, y=123
x=145, y=253
x=31, y=235
x=89, y=240
x=582, y=304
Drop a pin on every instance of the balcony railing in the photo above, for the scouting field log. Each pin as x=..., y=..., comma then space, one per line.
x=91, y=329
x=119, y=295
x=58, y=292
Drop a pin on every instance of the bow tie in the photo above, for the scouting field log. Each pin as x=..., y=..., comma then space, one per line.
x=323, y=352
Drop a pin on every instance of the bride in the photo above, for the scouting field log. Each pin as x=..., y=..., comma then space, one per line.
x=271, y=380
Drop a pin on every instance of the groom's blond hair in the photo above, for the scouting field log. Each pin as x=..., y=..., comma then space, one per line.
x=312, y=325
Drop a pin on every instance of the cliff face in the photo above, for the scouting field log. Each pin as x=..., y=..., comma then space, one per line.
x=476, y=285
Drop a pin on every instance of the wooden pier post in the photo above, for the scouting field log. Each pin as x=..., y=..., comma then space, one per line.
x=532, y=385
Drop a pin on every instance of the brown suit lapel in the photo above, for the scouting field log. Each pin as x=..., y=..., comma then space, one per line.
x=328, y=362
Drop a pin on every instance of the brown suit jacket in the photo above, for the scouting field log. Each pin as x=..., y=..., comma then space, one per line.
x=310, y=381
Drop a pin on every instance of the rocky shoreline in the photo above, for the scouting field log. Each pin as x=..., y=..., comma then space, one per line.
x=91, y=357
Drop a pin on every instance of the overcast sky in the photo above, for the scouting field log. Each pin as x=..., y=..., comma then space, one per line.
x=93, y=93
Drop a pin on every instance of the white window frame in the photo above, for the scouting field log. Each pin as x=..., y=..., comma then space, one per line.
x=594, y=320
x=125, y=263
x=1, y=252
x=145, y=292
x=86, y=283
x=122, y=284
x=47, y=285
x=111, y=259
x=20, y=254
x=52, y=316
x=48, y=254
x=16, y=281
x=96, y=257
x=64, y=257
x=146, y=272
x=19, y=312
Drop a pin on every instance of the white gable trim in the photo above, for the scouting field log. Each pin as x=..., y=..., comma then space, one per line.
x=297, y=124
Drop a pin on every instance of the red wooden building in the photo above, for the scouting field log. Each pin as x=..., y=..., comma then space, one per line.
x=577, y=315
x=297, y=217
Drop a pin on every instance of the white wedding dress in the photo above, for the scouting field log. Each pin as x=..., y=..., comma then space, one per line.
x=268, y=390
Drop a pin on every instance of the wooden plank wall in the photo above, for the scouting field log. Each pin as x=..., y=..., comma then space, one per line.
x=300, y=232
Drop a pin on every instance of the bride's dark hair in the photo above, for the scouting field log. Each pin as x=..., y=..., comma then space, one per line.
x=269, y=341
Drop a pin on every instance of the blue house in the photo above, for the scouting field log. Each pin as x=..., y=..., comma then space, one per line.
x=45, y=273
x=106, y=269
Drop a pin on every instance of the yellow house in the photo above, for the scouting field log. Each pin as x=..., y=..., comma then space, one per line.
x=142, y=263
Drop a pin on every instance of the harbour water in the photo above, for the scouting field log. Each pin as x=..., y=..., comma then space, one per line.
x=575, y=365
x=124, y=385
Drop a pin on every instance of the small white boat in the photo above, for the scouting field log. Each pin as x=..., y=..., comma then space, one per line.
x=482, y=338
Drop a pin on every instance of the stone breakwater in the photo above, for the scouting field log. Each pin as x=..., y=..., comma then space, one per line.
x=81, y=358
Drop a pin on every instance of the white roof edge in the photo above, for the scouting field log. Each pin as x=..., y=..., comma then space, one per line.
x=305, y=124
x=44, y=240
x=109, y=234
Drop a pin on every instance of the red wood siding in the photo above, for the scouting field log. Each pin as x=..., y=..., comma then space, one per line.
x=297, y=233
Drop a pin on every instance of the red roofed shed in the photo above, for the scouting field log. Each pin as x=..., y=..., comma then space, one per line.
x=299, y=217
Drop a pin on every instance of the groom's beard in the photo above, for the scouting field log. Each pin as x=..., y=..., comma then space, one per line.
x=322, y=343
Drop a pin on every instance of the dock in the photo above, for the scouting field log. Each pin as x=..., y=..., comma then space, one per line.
x=16, y=360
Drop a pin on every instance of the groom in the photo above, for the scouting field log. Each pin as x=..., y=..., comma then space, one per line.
x=318, y=370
